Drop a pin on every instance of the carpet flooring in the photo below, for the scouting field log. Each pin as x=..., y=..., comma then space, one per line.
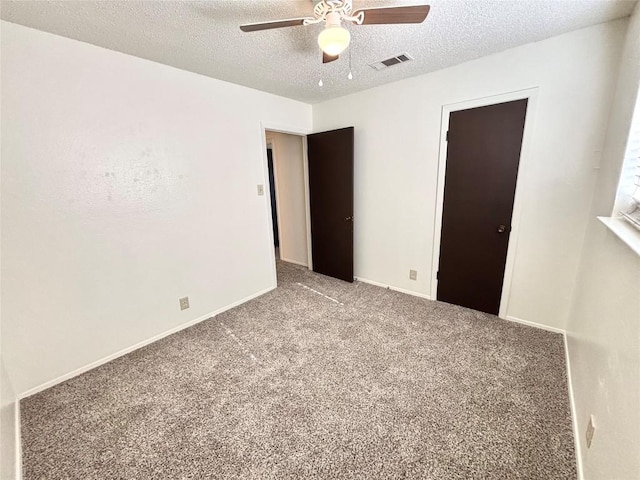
x=318, y=379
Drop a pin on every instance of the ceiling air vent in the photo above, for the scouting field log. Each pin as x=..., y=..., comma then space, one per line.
x=390, y=62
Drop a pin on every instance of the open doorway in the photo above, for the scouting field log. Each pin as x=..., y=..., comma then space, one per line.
x=311, y=177
x=288, y=182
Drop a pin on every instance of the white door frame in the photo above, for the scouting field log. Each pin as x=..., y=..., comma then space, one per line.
x=291, y=130
x=522, y=184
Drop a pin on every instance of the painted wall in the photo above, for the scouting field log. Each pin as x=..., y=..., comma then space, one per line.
x=123, y=181
x=8, y=434
x=7, y=426
x=397, y=130
x=290, y=180
x=604, y=352
x=603, y=335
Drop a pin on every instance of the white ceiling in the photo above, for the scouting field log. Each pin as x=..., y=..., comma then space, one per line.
x=203, y=36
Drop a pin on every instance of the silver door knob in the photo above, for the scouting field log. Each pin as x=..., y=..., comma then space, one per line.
x=502, y=228
x=348, y=219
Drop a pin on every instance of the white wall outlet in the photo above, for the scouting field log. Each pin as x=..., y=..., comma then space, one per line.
x=413, y=274
x=260, y=190
x=184, y=303
x=591, y=430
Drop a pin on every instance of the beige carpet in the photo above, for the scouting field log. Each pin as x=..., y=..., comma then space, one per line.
x=318, y=379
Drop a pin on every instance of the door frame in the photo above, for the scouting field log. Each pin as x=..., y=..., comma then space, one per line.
x=522, y=184
x=290, y=130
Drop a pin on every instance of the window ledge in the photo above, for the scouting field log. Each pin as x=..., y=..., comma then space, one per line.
x=624, y=231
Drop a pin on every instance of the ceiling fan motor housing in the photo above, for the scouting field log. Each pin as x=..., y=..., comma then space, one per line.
x=324, y=7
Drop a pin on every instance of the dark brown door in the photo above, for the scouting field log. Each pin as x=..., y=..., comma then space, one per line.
x=483, y=154
x=331, y=197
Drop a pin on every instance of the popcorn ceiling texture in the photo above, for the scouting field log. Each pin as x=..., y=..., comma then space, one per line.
x=316, y=379
x=203, y=36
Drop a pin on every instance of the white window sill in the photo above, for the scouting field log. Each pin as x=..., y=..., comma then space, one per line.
x=624, y=231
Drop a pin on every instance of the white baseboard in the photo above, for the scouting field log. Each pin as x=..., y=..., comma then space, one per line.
x=293, y=261
x=574, y=416
x=391, y=287
x=18, y=440
x=534, y=324
x=138, y=345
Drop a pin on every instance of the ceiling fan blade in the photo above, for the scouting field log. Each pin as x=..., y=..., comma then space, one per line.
x=388, y=15
x=329, y=58
x=290, y=22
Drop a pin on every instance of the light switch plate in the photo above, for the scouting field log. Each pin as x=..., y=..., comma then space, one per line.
x=260, y=190
x=413, y=274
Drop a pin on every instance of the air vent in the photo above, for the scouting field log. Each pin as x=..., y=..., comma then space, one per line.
x=390, y=62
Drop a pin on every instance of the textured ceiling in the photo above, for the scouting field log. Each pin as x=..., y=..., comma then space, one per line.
x=203, y=36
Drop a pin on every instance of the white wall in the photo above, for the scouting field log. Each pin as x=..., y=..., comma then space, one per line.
x=126, y=184
x=397, y=128
x=8, y=434
x=603, y=335
x=288, y=161
x=7, y=426
x=604, y=351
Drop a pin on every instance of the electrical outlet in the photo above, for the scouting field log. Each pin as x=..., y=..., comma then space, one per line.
x=184, y=303
x=413, y=274
x=591, y=430
x=260, y=190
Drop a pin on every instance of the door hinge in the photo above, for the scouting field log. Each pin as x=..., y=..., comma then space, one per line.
x=447, y=136
x=438, y=275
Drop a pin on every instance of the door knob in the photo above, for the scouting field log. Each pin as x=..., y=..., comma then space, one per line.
x=502, y=228
x=348, y=219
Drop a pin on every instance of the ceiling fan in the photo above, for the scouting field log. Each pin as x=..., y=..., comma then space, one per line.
x=334, y=39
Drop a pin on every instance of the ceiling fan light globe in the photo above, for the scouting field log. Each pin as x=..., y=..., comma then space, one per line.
x=334, y=39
